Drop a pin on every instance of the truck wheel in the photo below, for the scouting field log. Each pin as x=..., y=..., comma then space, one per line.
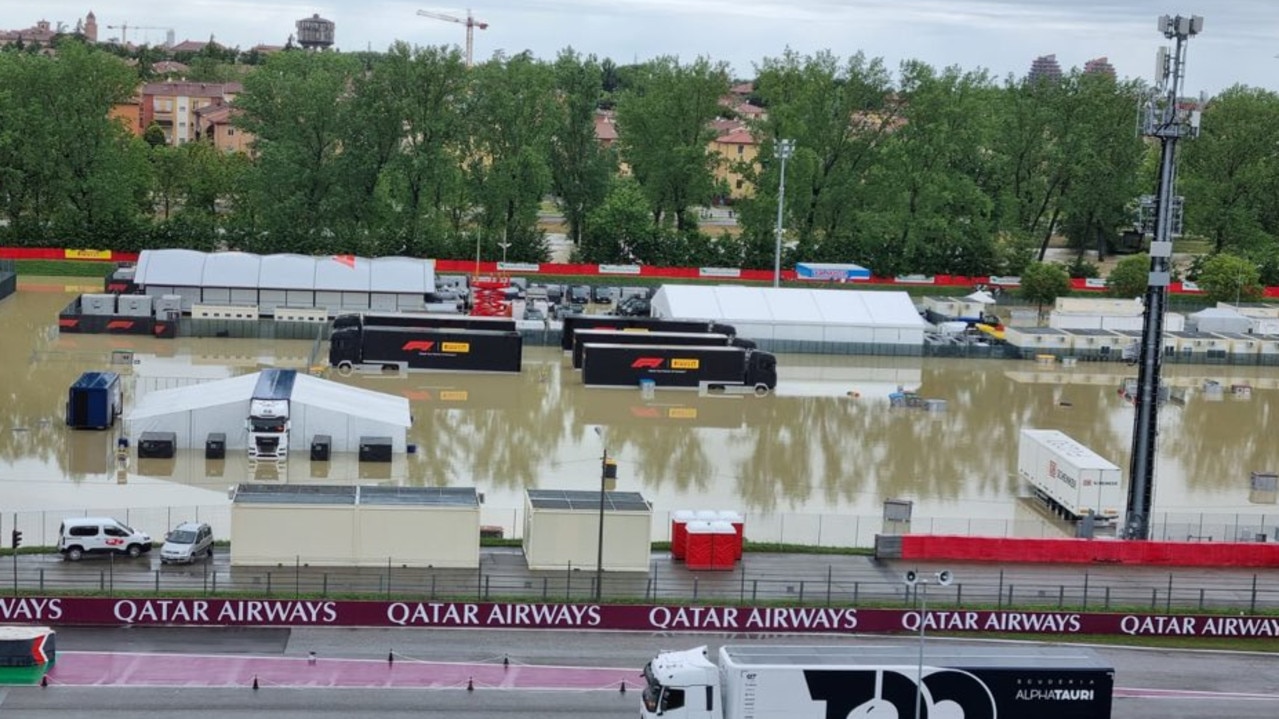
x=75, y=554
x=134, y=551
x=761, y=390
x=345, y=369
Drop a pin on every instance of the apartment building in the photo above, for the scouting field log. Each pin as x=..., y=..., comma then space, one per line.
x=175, y=106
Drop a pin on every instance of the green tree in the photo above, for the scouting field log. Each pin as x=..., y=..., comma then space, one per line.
x=664, y=132
x=621, y=228
x=154, y=135
x=507, y=165
x=581, y=168
x=1130, y=277
x=1042, y=283
x=1230, y=173
x=1230, y=278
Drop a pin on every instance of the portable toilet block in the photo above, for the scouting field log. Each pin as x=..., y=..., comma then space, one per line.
x=738, y=522
x=724, y=546
x=679, y=532
x=698, y=550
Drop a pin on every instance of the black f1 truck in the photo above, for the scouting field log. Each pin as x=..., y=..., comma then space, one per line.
x=573, y=323
x=727, y=369
x=417, y=348
x=583, y=337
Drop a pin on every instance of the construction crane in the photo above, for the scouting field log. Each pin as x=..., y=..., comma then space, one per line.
x=469, y=21
x=124, y=32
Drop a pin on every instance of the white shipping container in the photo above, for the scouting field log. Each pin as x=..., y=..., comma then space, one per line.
x=134, y=305
x=97, y=304
x=1078, y=479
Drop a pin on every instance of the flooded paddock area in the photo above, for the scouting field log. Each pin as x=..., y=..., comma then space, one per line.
x=812, y=463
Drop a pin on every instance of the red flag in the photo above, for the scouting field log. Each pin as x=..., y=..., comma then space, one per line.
x=348, y=260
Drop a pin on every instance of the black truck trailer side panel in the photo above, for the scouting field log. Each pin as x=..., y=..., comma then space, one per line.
x=625, y=365
x=982, y=691
x=429, y=349
x=573, y=323
x=582, y=337
x=418, y=319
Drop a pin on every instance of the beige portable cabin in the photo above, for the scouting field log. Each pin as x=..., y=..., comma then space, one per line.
x=1204, y=347
x=561, y=530
x=1241, y=348
x=1032, y=341
x=344, y=526
x=1097, y=344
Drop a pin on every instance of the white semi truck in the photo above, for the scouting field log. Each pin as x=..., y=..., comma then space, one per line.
x=878, y=682
x=268, y=421
x=1072, y=478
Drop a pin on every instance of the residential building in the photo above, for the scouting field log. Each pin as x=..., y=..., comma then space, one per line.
x=1099, y=66
x=174, y=106
x=1045, y=68
x=129, y=114
x=215, y=124
x=735, y=147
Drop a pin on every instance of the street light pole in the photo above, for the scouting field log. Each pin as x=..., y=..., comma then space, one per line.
x=943, y=579
x=599, y=545
x=785, y=148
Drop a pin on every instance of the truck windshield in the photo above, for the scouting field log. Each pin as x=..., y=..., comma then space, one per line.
x=272, y=424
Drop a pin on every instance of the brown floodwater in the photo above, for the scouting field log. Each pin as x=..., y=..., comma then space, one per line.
x=815, y=462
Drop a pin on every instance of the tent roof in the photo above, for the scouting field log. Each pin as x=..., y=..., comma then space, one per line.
x=1219, y=312
x=307, y=390
x=792, y=305
x=981, y=296
x=188, y=268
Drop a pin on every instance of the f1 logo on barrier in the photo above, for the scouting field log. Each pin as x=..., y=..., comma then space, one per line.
x=647, y=363
x=418, y=346
x=119, y=325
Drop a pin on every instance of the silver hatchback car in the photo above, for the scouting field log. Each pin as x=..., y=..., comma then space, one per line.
x=186, y=543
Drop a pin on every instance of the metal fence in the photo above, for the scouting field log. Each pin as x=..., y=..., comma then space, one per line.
x=797, y=528
x=777, y=579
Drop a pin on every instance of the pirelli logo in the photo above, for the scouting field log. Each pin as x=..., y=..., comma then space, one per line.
x=682, y=413
x=459, y=347
x=454, y=395
x=685, y=363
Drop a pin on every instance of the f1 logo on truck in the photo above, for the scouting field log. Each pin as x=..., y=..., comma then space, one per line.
x=675, y=363
x=418, y=346
x=647, y=363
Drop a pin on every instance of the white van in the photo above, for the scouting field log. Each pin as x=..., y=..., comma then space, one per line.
x=100, y=535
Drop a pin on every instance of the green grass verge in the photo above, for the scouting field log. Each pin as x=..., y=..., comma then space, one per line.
x=63, y=268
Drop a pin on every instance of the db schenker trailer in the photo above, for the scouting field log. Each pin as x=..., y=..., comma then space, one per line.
x=583, y=337
x=852, y=680
x=419, y=348
x=411, y=319
x=1070, y=478
x=725, y=369
x=573, y=323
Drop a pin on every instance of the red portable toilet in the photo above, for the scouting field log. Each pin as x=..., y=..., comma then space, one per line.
x=739, y=526
x=679, y=535
x=699, y=547
x=723, y=545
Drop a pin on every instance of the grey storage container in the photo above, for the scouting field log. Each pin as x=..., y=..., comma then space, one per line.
x=166, y=303
x=134, y=306
x=97, y=304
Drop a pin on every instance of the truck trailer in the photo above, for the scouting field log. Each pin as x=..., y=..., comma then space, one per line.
x=422, y=319
x=268, y=421
x=1072, y=479
x=841, y=681
x=423, y=348
x=582, y=337
x=95, y=401
x=727, y=369
x=573, y=323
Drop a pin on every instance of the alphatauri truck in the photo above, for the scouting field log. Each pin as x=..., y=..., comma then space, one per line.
x=727, y=369
x=843, y=681
x=423, y=348
x=583, y=337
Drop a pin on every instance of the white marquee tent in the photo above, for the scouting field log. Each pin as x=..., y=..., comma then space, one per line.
x=336, y=283
x=316, y=406
x=799, y=320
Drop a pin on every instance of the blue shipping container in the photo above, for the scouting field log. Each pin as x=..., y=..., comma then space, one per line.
x=94, y=401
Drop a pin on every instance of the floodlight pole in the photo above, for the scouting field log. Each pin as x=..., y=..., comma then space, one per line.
x=1168, y=122
x=785, y=148
x=599, y=545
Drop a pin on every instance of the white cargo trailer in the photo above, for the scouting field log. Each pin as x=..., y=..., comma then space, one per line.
x=859, y=680
x=1073, y=478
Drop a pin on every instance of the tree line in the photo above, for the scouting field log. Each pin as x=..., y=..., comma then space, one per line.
x=919, y=170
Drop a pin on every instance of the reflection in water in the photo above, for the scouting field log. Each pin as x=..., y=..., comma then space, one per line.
x=828, y=442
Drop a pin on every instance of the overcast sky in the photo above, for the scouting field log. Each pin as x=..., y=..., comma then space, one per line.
x=1238, y=45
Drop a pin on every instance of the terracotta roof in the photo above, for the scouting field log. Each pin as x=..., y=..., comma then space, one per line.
x=743, y=88
x=192, y=89
x=216, y=114
x=740, y=136
x=749, y=110
x=267, y=49
x=194, y=45
x=604, y=128
x=168, y=66
x=724, y=125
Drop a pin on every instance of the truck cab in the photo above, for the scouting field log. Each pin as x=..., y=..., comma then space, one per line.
x=681, y=685
x=268, y=421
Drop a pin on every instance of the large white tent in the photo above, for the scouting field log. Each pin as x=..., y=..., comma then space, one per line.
x=803, y=320
x=316, y=407
x=337, y=283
